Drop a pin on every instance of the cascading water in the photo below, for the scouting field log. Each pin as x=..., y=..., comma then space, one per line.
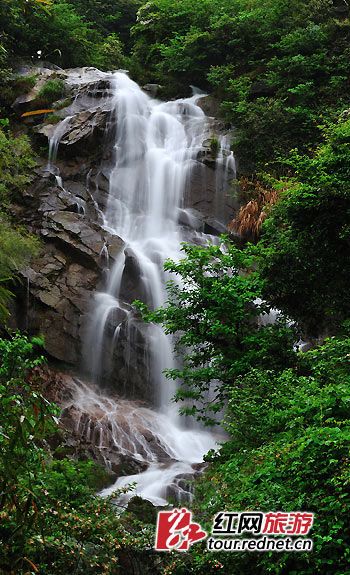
x=156, y=147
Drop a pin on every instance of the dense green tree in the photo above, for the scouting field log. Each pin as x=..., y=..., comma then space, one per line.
x=109, y=16
x=280, y=70
x=305, y=262
x=110, y=54
x=63, y=32
x=287, y=412
x=214, y=310
x=63, y=36
x=289, y=450
x=278, y=67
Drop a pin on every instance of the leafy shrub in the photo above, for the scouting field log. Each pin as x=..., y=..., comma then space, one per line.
x=52, y=119
x=16, y=164
x=289, y=450
x=279, y=67
x=216, y=325
x=109, y=55
x=305, y=245
x=214, y=146
x=51, y=91
x=16, y=249
x=23, y=84
x=51, y=520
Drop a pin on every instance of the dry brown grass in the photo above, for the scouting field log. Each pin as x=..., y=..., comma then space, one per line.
x=252, y=215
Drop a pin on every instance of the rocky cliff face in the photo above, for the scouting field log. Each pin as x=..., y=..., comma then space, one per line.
x=65, y=209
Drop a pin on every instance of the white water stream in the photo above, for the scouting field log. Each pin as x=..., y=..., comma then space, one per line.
x=157, y=145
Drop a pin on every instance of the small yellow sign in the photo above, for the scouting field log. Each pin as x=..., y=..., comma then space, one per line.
x=36, y=113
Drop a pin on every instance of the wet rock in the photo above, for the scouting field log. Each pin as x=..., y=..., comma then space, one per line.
x=132, y=287
x=200, y=467
x=341, y=8
x=89, y=82
x=182, y=487
x=25, y=102
x=190, y=218
x=152, y=89
x=203, y=197
x=84, y=240
x=210, y=106
x=83, y=131
x=65, y=205
x=127, y=465
x=56, y=294
x=119, y=434
x=143, y=510
x=55, y=297
x=132, y=379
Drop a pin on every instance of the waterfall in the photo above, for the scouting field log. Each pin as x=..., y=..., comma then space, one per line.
x=156, y=147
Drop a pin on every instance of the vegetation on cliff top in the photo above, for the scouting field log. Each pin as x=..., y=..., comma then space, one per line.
x=16, y=245
x=280, y=68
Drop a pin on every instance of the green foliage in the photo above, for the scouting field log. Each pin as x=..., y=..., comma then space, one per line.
x=14, y=86
x=279, y=67
x=289, y=450
x=52, y=119
x=287, y=413
x=16, y=162
x=171, y=39
x=57, y=30
x=67, y=33
x=214, y=146
x=16, y=249
x=110, y=54
x=26, y=418
x=51, y=91
x=23, y=84
x=51, y=521
x=214, y=308
x=305, y=245
x=110, y=17
x=16, y=245
x=4, y=68
x=281, y=71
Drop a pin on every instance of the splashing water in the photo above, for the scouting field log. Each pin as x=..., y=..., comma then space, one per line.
x=141, y=434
